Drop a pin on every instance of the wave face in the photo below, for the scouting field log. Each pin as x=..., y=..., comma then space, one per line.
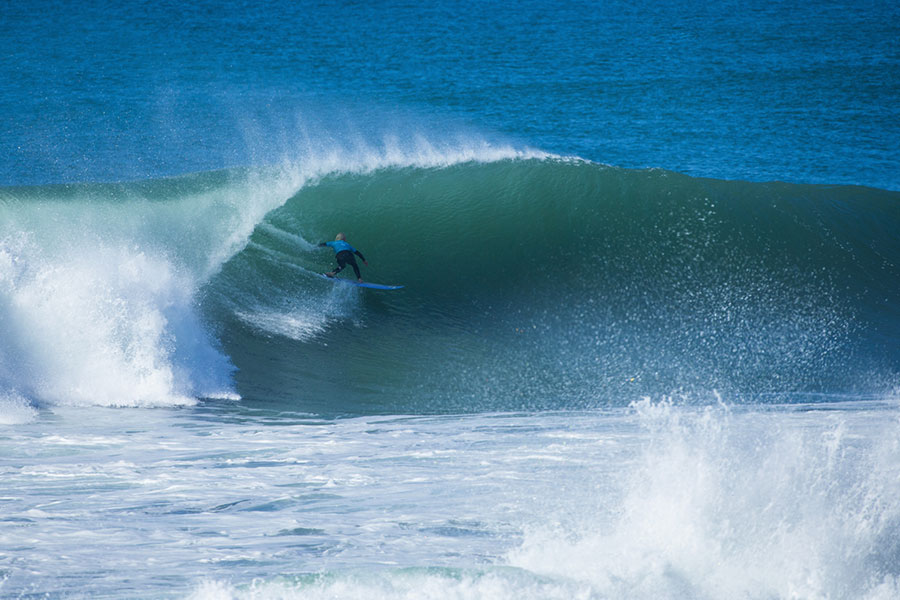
x=545, y=283
x=531, y=282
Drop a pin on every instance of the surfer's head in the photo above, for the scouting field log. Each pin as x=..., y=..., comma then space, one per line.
x=340, y=236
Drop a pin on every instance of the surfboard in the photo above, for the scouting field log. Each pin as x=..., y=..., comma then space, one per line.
x=364, y=284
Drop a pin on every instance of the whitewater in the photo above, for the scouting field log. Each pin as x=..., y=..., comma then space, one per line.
x=647, y=502
x=646, y=348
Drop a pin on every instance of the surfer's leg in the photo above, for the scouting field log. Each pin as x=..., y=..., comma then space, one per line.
x=341, y=261
x=355, y=266
x=344, y=258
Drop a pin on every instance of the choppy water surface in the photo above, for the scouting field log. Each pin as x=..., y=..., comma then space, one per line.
x=653, y=501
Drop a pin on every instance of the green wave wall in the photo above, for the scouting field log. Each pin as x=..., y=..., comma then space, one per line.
x=563, y=283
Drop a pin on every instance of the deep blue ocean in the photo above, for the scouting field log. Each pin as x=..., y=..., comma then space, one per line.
x=646, y=347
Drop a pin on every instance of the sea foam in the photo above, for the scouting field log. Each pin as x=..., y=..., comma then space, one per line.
x=725, y=505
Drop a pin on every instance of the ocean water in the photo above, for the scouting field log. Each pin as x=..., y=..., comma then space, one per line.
x=647, y=345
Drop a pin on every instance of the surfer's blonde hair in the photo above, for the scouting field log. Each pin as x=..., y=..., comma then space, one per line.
x=340, y=236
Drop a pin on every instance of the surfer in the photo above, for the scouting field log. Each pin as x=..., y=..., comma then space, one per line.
x=344, y=252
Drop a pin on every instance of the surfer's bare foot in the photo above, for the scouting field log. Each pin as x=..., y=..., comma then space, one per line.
x=329, y=274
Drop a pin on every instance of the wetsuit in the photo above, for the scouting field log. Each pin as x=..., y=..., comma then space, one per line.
x=344, y=252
